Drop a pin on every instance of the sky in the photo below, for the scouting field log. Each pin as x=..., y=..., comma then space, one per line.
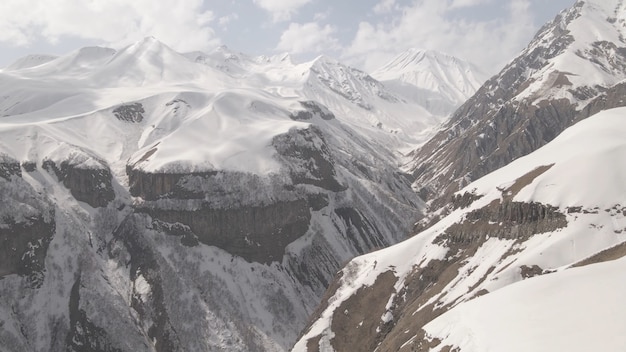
x=361, y=33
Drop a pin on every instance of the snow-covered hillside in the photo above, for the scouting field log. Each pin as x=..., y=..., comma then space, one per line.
x=145, y=191
x=580, y=309
x=559, y=207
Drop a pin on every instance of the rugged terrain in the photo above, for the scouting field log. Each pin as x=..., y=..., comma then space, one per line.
x=451, y=287
x=572, y=69
x=523, y=245
x=155, y=201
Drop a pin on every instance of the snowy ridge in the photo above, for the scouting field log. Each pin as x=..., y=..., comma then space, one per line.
x=573, y=68
x=580, y=176
x=593, y=58
x=430, y=76
x=29, y=61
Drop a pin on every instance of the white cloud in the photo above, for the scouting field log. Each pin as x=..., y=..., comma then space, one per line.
x=384, y=6
x=308, y=38
x=225, y=20
x=182, y=25
x=427, y=24
x=281, y=10
x=467, y=3
x=321, y=16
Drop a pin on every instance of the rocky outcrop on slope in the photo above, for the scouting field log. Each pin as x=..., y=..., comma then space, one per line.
x=307, y=156
x=310, y=110
x=382, y=318
x=92, y=184
x=9, y=167
x=255, y=233
x=24, y=246
x=129, y=112
x=83, y=335
x=27, y=225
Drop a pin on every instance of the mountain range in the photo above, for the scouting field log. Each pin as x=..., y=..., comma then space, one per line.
x=161, y=201
x=523, y=242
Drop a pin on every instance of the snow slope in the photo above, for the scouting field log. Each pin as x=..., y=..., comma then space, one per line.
x=580, y=309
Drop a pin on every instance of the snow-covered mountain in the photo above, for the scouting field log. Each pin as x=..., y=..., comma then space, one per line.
x=158, y=201
x=524, y=241
x=542, y=215
x=440, y=82
x=574, y=67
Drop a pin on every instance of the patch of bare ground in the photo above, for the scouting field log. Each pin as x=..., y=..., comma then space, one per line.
x=313, y=344
x=356, y=321
x=524, y=181
x=606, y=255
x=530, y=271
x=480, y=293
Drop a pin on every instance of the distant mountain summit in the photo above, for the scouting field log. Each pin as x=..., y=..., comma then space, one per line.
x=440, y=82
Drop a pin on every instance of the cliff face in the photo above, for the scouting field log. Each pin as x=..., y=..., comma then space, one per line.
x=25, y=235
x=92, y=185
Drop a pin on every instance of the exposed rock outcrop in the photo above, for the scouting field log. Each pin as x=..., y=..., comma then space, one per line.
x=83, y=335
x=255, y=233
x=508, y=220
x=92, y=185
x=129, y=112
x=306, y=155
x=23, y=247
x=9, y=167
x=312, y=109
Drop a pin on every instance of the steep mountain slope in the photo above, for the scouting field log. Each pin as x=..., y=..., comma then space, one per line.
x=439, y=82
x=556, y=208
x=574, y=67
x=153, y=202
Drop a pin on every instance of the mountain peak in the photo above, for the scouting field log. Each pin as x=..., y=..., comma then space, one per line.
x=429, y=75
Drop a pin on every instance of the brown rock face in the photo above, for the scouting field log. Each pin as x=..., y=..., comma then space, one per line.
x=352, y=322
x=509, y=220
x=92, y=186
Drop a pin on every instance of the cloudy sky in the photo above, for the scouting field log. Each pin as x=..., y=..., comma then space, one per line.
x=363, y=33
